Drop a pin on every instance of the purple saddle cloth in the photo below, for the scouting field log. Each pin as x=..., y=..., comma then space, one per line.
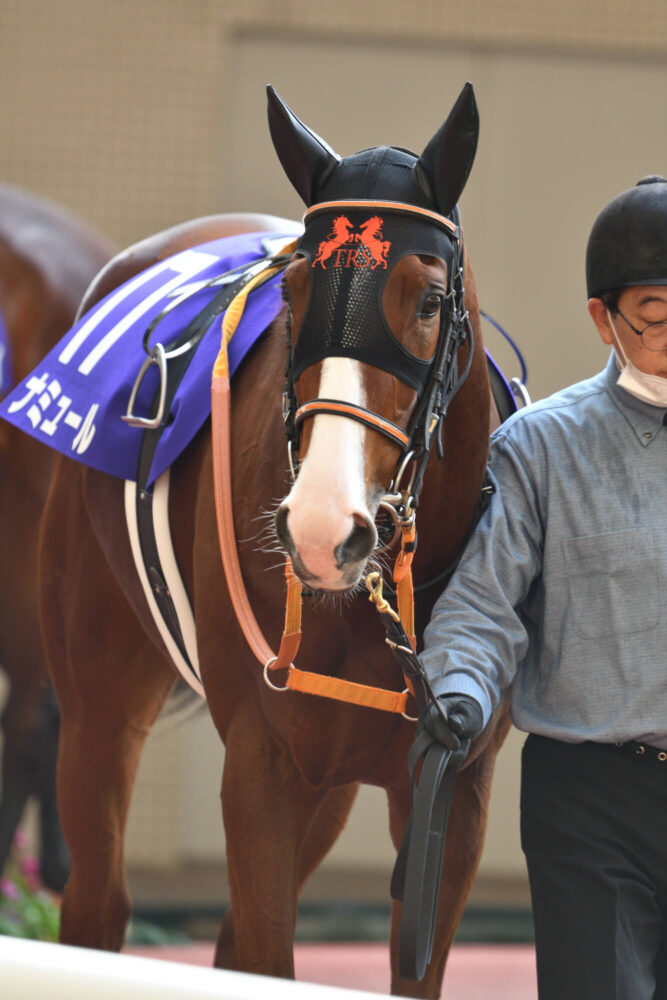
x=74, y=399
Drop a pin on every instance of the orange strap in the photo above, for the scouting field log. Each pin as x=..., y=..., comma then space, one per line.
x=341, y=690
x=222, y=477
x=403, y=580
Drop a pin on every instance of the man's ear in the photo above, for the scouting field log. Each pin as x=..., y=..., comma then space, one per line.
x=598, y=313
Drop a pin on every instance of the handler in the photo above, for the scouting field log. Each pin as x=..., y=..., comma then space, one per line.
x=560, y=599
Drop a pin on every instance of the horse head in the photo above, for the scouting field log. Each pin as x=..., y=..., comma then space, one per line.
x=368, y=343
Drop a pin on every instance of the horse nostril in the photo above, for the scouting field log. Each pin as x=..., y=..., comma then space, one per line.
x=359, y=543
x=282, y=528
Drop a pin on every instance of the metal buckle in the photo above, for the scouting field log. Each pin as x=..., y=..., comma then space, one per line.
x=391, y=510
x=410, y=718
x=401, y=502
x=291, y=456
x=157, y=356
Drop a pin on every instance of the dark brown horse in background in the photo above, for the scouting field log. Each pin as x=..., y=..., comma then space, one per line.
x=47, y=260
x=293, y=763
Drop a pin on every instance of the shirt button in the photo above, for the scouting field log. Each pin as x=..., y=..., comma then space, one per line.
x=648, y=434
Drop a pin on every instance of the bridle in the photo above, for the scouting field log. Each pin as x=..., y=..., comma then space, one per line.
x=441, y=380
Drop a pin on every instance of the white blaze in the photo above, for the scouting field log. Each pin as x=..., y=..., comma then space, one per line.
x=330, y=489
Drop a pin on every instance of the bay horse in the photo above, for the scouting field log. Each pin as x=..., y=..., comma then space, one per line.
x=359, y=338
x=47, y=260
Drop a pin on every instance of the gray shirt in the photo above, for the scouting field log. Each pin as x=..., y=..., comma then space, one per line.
x=560, y=595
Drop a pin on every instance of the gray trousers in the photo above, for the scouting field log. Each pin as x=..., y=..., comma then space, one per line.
x=594, y=832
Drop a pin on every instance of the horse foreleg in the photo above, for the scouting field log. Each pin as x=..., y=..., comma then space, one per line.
x=268, y=809
x=325, y=828
x=97, y=765
x=322, y=834
x=463, y=848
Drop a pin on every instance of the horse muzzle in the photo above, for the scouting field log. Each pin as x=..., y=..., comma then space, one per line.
x=328, y=561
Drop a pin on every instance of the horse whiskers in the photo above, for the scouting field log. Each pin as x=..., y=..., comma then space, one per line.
x=330, y=600
x=267, y=540
x=377, y=563
x=267, y=515
x=278, y=565
x=268, y=512
x=339, y=600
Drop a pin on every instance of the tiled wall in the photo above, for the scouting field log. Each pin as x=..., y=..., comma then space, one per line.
x=119, y=108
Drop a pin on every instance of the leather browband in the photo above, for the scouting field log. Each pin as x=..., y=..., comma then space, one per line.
x=399, y=207
x=341, y=409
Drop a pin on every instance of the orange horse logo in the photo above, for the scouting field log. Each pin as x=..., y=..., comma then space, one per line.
x=341, y=233
x=347, y=248
x=371, y=237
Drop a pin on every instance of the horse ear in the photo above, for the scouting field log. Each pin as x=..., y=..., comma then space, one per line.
x=443, y=168
x=306, y=159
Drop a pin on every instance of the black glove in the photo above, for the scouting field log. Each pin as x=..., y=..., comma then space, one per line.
x=464, y=720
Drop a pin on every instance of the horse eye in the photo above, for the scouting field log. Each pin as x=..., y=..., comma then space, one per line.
x=429, y=306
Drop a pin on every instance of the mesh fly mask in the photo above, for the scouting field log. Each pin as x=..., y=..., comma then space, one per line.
x=351, y=248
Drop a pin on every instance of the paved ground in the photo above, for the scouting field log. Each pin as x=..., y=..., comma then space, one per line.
x=474, y=972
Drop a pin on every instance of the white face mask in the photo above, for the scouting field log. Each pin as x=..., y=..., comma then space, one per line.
x=649, y=388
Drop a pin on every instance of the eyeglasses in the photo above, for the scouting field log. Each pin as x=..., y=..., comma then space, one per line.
x=654, y=335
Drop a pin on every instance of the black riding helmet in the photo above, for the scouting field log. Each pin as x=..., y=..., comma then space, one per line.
x=628, y=241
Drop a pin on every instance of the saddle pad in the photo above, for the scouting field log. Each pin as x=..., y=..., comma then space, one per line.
x=5, y=359
x=74, y=399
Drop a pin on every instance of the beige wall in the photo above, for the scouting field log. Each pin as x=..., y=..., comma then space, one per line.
x=141, y=113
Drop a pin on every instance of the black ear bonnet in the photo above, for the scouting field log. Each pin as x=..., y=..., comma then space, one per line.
x=434, y=180
x=381, y=173
x=359, y=233
x=365, y=213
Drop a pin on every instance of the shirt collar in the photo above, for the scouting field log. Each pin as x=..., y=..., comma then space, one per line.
x=645, y=420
